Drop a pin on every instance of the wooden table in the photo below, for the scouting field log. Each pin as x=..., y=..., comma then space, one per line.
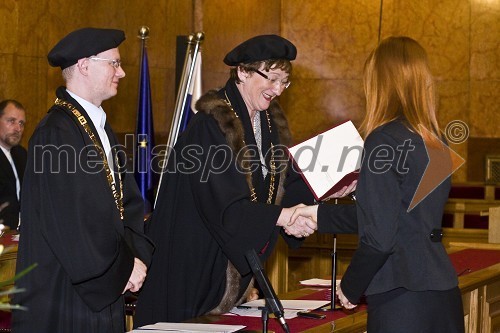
x=8, y=257
x=480, y=293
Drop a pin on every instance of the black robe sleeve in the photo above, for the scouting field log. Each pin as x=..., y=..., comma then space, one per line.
x=77, y=215
x=133, y=205
x=222, y=198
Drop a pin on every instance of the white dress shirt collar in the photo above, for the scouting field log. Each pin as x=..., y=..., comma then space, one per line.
x=96, y=114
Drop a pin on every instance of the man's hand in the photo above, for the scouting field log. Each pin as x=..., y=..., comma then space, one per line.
x=303, y=222
x=137, y=277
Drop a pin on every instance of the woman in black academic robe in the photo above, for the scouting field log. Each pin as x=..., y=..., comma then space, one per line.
x=220, y=194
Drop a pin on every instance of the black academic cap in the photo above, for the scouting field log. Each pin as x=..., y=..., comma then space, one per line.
x=83, y=43
x=260, y=48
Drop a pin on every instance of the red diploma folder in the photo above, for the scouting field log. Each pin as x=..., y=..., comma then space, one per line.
x=330, y=160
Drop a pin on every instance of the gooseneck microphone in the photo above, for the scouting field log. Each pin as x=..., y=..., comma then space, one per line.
x=272, y=301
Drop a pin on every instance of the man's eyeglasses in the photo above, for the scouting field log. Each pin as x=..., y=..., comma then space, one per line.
x=113, y=62
x=274, y=81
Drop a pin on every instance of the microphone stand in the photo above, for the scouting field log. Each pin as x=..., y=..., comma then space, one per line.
x=265, y=316
x=334, y=273
x=333, y=290
x=272, y=302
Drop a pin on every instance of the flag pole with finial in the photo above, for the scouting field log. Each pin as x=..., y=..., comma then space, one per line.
x=193, y=45
x=145, y=129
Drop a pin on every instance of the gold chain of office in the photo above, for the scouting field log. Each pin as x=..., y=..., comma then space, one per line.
x=118, y=196
x=272, y=163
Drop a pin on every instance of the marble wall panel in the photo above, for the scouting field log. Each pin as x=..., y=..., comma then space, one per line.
x=22, y=78
x=34, y=22
x=333, y=37
x=9, y=12
x=485, y=68
x=32, y=86
x=485, y=40
x=453, y=104
x=484, y=108
x=313, y=106
x=229, y=23
x=441, y=27
x=7, y=77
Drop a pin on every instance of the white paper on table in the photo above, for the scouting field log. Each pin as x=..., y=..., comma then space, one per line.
x=291, y=304
x=257, y=313
x=291, y=307
x=187, y=327
x=318, y=282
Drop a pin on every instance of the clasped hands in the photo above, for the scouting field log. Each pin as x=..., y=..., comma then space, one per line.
x=301, y=220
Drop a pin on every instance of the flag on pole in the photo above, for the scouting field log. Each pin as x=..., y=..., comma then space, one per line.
x=194, y=93
x=144, y=135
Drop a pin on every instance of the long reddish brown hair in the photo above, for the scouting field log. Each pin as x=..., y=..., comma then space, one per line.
x=398, y=83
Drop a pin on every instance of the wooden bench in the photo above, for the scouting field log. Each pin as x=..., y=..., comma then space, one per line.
x=468, y=213
x=494, y=225
x=475, y=190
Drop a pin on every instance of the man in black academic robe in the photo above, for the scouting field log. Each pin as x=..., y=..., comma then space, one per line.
x=85, y=235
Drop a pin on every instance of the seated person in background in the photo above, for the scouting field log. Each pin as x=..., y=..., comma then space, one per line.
x=12, y=160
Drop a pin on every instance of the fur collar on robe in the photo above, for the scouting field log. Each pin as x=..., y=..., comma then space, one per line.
x=231, y=126
x=233, y=130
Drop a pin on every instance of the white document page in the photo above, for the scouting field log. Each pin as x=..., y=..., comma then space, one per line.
x=326, y=158
x=187, y=327
x=318, y=282
x=291, y=307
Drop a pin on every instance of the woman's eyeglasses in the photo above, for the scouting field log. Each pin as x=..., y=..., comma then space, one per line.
x=274, y=81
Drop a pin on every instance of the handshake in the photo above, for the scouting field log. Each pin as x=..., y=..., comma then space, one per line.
x=301, y=220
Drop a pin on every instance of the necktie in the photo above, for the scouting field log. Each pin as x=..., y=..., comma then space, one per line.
x=18, y=184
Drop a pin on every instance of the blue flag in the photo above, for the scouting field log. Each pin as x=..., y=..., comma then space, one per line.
x=145, y=136
x=194, y=93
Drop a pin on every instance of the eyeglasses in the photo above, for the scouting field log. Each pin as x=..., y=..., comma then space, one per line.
x=113, y=62
x=274, y=81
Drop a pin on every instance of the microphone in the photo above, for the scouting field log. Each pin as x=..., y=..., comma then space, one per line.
x=272, y=301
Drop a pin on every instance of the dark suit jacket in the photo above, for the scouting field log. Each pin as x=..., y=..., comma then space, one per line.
x=10, y=214
x=396, y=249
